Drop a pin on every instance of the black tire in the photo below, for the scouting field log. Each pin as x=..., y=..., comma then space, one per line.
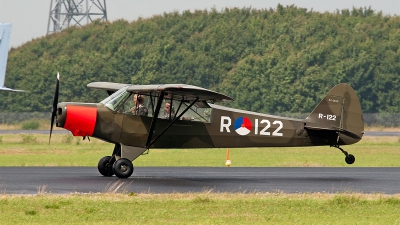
x=350, y=159
x=123, y=168
x=105, y=166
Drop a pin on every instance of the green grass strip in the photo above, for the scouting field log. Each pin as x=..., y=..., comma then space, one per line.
x=202, y=208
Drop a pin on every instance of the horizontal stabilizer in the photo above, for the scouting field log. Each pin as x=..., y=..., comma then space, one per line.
x=9, y=89
x=347, y=133
x=336, y=129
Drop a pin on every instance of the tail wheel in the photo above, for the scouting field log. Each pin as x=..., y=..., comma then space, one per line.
x=350, y=159
x=105, y=166
x=123, y=168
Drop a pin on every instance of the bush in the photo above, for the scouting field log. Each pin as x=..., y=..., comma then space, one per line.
x=30, y=125
x=67, y=139
x=28, y=138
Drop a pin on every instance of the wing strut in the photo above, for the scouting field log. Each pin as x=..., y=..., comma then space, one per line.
x=169, y=125
x=151, y=101
x=154, y=120
x=179, y=107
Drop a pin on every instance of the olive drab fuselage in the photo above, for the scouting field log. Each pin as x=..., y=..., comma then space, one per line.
x=338, y=112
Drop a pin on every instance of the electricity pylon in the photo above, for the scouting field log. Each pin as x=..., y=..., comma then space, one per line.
x=66, y=13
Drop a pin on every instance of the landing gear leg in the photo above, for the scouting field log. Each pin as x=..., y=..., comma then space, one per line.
x=350, y=159
x=105, y=165
x=122, y=167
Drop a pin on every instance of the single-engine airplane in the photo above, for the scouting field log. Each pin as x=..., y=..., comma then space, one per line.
x=194, y=121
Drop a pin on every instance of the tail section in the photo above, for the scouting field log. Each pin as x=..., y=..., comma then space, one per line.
x=338, y=117
x=5, y=31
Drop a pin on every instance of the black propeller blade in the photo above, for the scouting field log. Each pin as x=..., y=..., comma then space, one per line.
x=55, y=101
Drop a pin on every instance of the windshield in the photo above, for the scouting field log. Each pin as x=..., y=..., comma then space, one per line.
x=114, y=101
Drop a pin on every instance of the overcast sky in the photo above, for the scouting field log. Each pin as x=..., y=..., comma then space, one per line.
x=29, y=18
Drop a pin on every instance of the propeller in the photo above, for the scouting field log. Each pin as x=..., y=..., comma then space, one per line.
x=55, y=101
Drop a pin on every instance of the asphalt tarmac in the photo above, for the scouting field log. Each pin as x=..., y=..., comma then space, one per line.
x=67, y=180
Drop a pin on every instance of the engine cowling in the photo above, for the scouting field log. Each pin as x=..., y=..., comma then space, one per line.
x=79, y=118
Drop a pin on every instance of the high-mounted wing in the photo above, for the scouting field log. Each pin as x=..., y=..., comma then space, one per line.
x=180, y=92
x=107, y=86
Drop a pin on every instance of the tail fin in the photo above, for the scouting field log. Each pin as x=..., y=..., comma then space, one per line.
x=339, y=112
x=5, y=31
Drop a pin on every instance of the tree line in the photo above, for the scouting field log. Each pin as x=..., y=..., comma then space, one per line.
x=281, y=60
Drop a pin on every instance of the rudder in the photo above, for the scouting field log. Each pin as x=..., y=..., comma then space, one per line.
x=340, y=111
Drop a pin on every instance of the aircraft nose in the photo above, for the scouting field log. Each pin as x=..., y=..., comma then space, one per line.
x=61, y=114
x=80, y=119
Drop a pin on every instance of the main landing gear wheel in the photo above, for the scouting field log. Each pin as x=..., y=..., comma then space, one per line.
x=350, y=159
x=123, y=168
x=105, y=166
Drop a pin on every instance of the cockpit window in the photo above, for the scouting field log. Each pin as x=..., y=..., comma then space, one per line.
x=115, y=100
x=198, y=112
x=123, y=101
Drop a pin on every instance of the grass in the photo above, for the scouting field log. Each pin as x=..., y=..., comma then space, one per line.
x=201, y=208
x=66, y=150
x=115, y=206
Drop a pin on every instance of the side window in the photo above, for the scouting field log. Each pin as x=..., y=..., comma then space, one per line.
x=137, y=105
x=197, y=112
x=128, y=105
x=167, y=110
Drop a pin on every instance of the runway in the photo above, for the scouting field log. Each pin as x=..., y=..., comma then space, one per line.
x=67, y=180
